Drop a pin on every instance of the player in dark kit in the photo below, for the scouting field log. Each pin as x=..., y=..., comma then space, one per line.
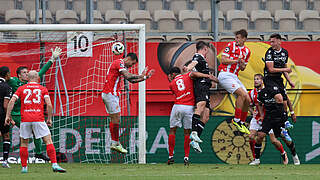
x=5, y=95
x=201, y=92
x=276, y=59
x=273, y=118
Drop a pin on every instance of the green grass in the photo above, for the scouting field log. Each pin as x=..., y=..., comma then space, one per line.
x=163, y=171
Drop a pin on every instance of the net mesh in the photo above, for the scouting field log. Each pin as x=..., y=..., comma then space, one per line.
x=75, y=80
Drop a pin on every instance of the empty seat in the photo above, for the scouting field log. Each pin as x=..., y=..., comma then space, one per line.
x=155, y=39
x=190, y=20
x=226, y=38
x=153, y=5
x=225, y=6
x=316, y=37
x=310, y=20
x=105, y=5
x=177, y=38
x=66, y=17
x=273, y=5
x=202, y=5
x=29, y=5
x=299, y=38
x=206, y=17
x=79, y=5
x=298, y=5
x=115, y=17
x=317, y=5
x=177, y=5
x=97, y=17
x=56, y=5
x=262, y=20
x=250, y=5
x=286, y=20
x=238, y=19
x=141, y=17
x=202, y=38
x=49, y=19
x=16, y=16
x=255, y=38
x=128, y=5
x=166, y=20
x=5, y=5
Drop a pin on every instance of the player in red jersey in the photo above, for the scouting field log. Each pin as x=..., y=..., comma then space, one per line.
x=235, y=58
x=182, y=111
x=33, y=96
x=111, y=92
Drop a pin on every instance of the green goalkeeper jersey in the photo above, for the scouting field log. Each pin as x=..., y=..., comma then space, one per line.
x=15, y=83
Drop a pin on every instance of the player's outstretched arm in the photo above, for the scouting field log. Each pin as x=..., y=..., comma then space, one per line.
x=190, y=66
x=134, y=78
x=55, y=54
x=49, y=110
x=9, y=120
x=196, y=74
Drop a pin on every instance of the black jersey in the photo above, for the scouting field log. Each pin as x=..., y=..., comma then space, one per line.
x=280, y=59
x=202, y=67
x=5, y=92
x=267, y=99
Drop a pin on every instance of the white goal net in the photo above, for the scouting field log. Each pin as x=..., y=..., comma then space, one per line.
x=81, y=125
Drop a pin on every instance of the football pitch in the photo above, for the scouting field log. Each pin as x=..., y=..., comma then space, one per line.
x=163, y=171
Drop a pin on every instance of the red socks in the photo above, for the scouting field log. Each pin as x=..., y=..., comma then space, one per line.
x=237, y=114
x=24, y=156
x=186, y=145
x=252, y=143
x=281, y=149
x=114, y=131
x=172, y=142
x=243, y=116
x=51, y=151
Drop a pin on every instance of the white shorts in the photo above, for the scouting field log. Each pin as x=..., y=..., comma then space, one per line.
x=230, y=82
x=111, y=102
x=39, y=129
x=254, y=125
x=181, y=113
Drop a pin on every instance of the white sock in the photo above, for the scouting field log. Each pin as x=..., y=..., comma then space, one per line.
x=54, y=164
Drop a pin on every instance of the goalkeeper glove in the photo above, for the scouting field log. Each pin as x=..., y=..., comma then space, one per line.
x=55, y=54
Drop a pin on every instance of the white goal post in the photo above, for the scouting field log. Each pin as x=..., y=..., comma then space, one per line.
x=104, y=27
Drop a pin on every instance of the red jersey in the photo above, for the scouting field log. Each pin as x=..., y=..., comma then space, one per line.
x=112, y=84
x=233, y=51
x=182, y=88
x=32, y=101
x=253, y=94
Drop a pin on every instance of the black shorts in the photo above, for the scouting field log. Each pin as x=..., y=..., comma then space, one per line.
x=272, y=123
x=274, y=84
x=202, y=93
x=3, y=128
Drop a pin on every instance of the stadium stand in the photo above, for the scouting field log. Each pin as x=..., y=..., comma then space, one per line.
x=66, y=17
x=141, y=17
x=177, y=38
x=316, y=5
x=115, y=16
x=262, y=20
x=250, y=5
x=274, y=5
x=78, y=6
x=49, y=19
x=298, y=5
x=155, y=39
x=97, y=17
x=286, y=20
x=28, y=6
x=201, y=5
x=206, y=17
x=227, y=5
x=238, y=19
x=104, y=5
x=5, y=5
x=166, y=20
x=202, y=38
x=128, y=5
x=310, y=20
x=16, y=16
x=190, y=20
x=298, y=38
x=177, y=5
x=153, y=5
x=55, y=5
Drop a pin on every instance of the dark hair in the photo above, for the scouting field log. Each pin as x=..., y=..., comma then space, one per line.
x=175, y=69
x=259, y=75
x=133, y=56
x=19, y=69
x=275, y=35
x=4, y=70
x=242, y=32
x=201, y=44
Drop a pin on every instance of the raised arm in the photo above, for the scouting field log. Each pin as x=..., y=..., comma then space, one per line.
x=191, y=66
x=134, y=78
x=55, y=54
x=196, y=74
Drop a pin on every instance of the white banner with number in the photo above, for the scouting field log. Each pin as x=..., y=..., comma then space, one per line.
x=79, y=44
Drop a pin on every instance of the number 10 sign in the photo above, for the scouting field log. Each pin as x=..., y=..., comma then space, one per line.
x=79, y=44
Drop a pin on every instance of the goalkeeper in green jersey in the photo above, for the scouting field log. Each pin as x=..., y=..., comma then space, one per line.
x=22, y=79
